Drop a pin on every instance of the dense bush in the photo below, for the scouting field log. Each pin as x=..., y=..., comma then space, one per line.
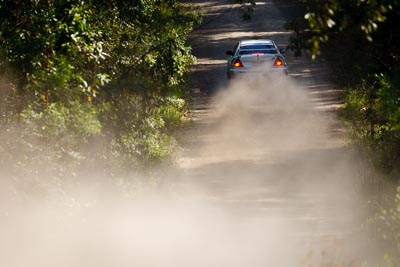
x=390, y=232
x=373, y=110
x=92, y=81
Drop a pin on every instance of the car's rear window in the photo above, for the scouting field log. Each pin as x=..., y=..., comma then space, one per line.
x=257, y=49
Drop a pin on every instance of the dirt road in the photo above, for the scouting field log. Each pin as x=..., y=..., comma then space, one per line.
x=269, y=153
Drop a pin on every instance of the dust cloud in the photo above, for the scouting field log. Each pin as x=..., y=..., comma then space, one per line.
x=265, y=184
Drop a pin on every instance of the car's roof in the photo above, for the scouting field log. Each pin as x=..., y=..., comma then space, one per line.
x=256, y=41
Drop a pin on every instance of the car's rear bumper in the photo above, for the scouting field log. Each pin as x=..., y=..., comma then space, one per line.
x=235, y=73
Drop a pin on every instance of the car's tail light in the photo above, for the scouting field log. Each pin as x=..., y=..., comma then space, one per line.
x=237, y=64
x=278, y=62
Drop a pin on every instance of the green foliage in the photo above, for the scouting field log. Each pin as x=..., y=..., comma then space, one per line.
x=390, y=232
x=141, y=129
x=373, y=111
x=326, y=19
x=79, y=71
x=55, y=140
x=61, y=127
